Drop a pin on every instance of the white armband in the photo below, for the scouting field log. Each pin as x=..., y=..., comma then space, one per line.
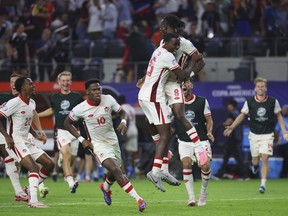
x=124, y=121
x=81, y=139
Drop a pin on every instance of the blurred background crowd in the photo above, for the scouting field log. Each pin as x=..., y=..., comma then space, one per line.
x=41, y=37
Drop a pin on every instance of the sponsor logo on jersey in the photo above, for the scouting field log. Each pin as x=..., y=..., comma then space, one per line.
x=106, y=109
x=24, y=150
x=23, y=112
x=90, y=115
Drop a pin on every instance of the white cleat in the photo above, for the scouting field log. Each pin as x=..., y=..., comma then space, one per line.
x=191, y=202
x=37, y=205
x=202, y=200
x=156, y=180
x=168, y=178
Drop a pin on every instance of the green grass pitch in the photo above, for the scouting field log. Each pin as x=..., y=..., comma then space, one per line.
x=225, y=197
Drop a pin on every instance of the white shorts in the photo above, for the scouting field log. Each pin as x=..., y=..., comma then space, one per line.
x=64, y=137
x=173, y=92
x=157, y=113
x=261, y=144
x=24, y=148
x=187, y=149
x=104, y=151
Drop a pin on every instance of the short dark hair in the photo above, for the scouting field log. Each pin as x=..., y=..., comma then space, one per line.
x=232, y=102
x=19, y=83
x=91, y=81
x=15, y=75
x=172, y=20
x=167, y=37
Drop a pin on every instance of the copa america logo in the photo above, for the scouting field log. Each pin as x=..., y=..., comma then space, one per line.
x=65, y=104
x=190, y=115
x=261, y=111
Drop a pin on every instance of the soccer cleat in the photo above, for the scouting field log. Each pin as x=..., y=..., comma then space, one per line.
x=201, y=155
x=202, y=200
x=142, y=205
x=168, y=178
x=191, y=202
x=75, y=186
x=262, y=189
x=54, y=177
x=37, y=205
x=43, y=192
x=255, y=169
x=21, y=197
x=156, y=180
x=107, y=195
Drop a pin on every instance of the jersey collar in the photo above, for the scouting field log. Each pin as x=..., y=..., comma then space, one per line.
x=191, y=100
x=261, y=101
x=23, y=99
x=90, y=102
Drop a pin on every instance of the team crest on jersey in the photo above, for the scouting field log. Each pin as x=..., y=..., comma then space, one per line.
x=65, y=104
x=24, y=150
x=90, y=116
x=101, y=155
x=23, y=112
x=106, y=109
x=190, y=115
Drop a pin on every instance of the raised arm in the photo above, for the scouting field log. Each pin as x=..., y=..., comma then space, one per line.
x=236, y=122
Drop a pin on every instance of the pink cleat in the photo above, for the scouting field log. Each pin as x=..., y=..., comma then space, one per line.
x=21, y=197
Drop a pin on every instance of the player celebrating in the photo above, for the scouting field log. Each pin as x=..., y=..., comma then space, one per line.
x=61, y=104
x=21, y=111
x=153, y=101
x=198, y=112
x=96, y=113
x=261, y=109
x=174, y=93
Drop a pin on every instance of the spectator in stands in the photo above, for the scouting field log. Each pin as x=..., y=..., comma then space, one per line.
x=125, y=11
x=222, y=7
x=44, y=50
x=31, y=30
x=6, y=31
x=110, y=17
x=81, y=27
x=18, y=50
x=95, y=24
x=270, y=28
x=240, y=19
x=210, y=21
x=282, y=144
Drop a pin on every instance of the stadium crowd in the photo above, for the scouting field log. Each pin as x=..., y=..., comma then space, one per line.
x=133, y=26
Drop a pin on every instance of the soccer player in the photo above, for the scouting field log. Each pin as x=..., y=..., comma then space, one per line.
x=153, y=102
x=96, y=113
x=61, y=104
x=261, y=110
x=21, y=110
x=198, y=112
x=174, y=93
x=8, y=155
